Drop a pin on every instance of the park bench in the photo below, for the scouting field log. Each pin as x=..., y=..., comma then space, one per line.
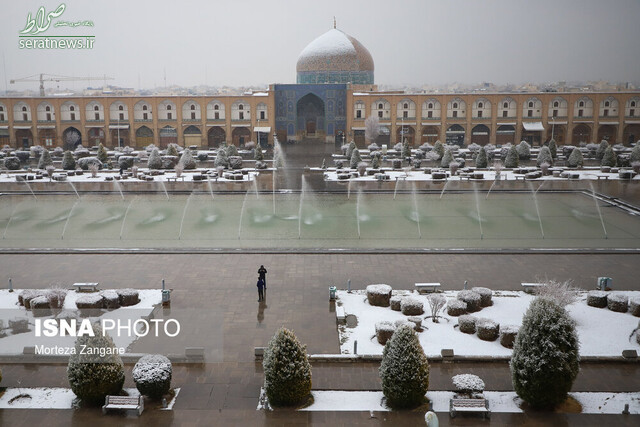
x=469, y=405
x=530, y=287
x=125, y=403
x=82, y=287
x=427, y=287
x=175, y=178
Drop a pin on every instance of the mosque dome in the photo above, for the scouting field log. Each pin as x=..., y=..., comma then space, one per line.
x=335, y=57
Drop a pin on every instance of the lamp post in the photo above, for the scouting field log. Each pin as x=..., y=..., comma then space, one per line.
x=258, y=146
x=553, y=123
x=119, y=131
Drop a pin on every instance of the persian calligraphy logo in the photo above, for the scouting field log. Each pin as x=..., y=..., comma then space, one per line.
x=29, y=37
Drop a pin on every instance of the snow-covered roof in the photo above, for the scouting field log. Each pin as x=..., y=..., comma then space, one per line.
x=335, y=51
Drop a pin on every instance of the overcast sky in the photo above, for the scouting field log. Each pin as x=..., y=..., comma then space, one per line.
x=257, y=42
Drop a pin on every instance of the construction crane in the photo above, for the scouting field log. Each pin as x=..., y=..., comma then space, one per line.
x=53, y=78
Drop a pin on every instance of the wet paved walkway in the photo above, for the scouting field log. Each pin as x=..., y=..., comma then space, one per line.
x=223, y=286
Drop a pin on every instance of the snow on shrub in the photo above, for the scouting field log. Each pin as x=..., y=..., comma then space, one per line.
x=125, y=162
x=456, y=307
x=563, y=293
x=609, y=158
x=487, y=329
x=221, y=158
x=472, y=299
x=544, y=156
x=92, y=376
x=404, y=322
x=634, y=306
x=617, y=302
x=508, y=334
x=12, y=163
x=379, y=295
x=524, y=150
x=45, y=159
x=235, y=162
x=111, y=299
x=416, y=320
x=481, y=159
x=25, y=297
x=436, y=303
x=467, y=323
x=467, y=383
x=68, y=161
x=154, y=161
x=287, y=372
x=602, y=147
x=231, y=150
x=447, y=158
x=128, y=297
x=349, y=151
x=384, y=331
x=186, y=160
x=40, y=306
x=89, y=301
x=597, y=299
x=545, y=359
x=355, y=159
x=152, y=375
x=411, y=307
x=575, y=160
x=85, y=162
x=404, y=370
x=56, y=296
x=485, y=295
x=394, y=302
x=511, y=159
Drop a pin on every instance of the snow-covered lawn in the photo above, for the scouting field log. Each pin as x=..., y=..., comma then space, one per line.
x=499, y=401
x=601, y=332
x=54, y=398
x=505, y=175
x=15, y=343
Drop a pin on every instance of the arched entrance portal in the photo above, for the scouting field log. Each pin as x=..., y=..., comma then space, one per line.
x=119, y=137
x=144, y=137
x=631, y=134
x=192, y=136
x=216, y=136
x=310, y=116
x=241, y=136
x=455, y=135
x=608, y=133
x=95, y=136
x=71, y=138
x=24, y=137
x=581, y=133
x=168, y=135
x=430, y=134
x=505, y=134
x=480, y=135
x=47, y=137
x=406, y=133
x=559, y=134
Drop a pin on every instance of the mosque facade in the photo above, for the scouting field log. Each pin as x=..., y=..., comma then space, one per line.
x=334, y=94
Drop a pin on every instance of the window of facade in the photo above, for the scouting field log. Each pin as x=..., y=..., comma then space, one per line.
x=606, y=103
x=97, y=116
x=168, y=107
x=1, y=117
x=379, y=114
x=358, y=114
x=479, y=104
x=429, y=113
x=72, y=108
x=262, y=116
x=47, y=108
x=455, y=105
x=555, y=104
x=480, y=113
x=48, y=117
x=632, y=112
x=581, y=104
x=144, y=108
x=580, y=112
x=455, y=114
x=216, y=107
x=605, y=113
x=241, y=114
x=555, y=112
x=529, y=113
x=216, y=115
x=73, y=116
x=380, y=107
x=193, y=115
x=95, y=108
x=633, y=103
x=505, y=105
x=145, y=116
x=24, y=117
x=169, y=116
x=405, y=106
x=504, y=113
x=530, y=104
x=120, y=108
x=193, y=107
x=121, y=116
x=405, y=115
x=431, y=105
x=240, y=107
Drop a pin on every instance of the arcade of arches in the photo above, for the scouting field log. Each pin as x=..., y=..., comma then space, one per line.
x=192, y=136
x=168, y=135
x=119, y=137
x=144, y=136
x=240, y=136
x=406, y=133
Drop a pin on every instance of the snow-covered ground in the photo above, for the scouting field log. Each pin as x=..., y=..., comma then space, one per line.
x=55, y=398
x=490, y=175
x=101, y=175
x=15, y=343
x=499, y=401
x=601, y=332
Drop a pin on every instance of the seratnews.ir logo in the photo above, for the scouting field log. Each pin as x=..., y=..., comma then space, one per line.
x=31, y=36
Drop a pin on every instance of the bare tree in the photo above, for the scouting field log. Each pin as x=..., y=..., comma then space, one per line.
x=371, y=129
x=563, y=293
x=436, y=303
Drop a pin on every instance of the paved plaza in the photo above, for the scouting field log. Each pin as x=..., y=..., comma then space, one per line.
x=225, y=392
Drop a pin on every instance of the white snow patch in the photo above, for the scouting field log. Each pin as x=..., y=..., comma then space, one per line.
x=499, y=401
x=333, y=42
x=594, y=325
